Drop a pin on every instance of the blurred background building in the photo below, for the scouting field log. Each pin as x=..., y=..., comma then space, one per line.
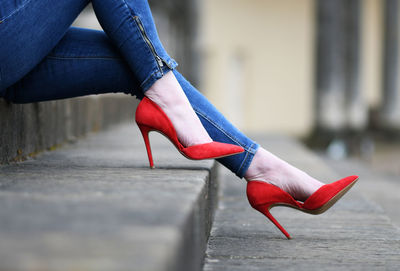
x=318, y=69
x=293, y=66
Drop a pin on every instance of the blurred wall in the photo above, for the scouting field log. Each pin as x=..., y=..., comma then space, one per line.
x=259, y=61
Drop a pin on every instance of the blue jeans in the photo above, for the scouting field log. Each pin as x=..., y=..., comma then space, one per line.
x=42, y=58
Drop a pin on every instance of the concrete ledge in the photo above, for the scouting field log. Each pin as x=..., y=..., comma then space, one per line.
x=355, y=234
x=95, y=205
x=30, y=128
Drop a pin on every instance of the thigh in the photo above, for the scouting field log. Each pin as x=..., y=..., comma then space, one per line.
x=29, y=30
x=84, y=62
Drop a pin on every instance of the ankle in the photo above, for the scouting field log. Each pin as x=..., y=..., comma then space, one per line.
x=166, y=92
x=269, y=168
x=169, y=96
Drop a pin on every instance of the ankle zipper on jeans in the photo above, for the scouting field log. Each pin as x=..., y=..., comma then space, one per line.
x=148, y=42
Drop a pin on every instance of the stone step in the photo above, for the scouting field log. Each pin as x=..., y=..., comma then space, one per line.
x=95, y=205
x=355, y=234
x=377, y=186
x=27, y=129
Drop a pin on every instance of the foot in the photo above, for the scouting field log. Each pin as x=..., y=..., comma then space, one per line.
x=271, y=169
x=168, y=94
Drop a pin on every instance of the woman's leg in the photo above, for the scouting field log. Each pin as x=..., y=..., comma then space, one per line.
x=42, y=23
x=29, y=30
x=91, y=53
x=86, y=62
x=131, y=29
x=220, y=129
x=130, y=25
x=255, y=163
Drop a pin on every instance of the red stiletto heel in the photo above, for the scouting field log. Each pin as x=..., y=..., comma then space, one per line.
x=263, y=196
x=145, y=133
x=264, y=209
x=150, y=117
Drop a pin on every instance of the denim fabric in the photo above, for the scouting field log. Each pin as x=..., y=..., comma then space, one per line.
x=84, y=62
x=43, y=58
x=220, y=129
x=29, y=30
x=132, y=29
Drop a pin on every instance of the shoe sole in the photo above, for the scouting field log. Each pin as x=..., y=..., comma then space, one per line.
x=324, y=207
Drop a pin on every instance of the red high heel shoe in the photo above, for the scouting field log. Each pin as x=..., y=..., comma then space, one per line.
x=150, y=117
x=263, y=196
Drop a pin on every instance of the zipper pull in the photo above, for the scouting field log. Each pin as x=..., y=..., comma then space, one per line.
x=159, y=61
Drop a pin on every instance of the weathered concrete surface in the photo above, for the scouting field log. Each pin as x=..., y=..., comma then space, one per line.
x=30, y=128
x=355, y=234
x=95, y=205
x=378, y=186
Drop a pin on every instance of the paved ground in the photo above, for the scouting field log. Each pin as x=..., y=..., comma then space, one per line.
x=381, y=187
x=95, y=205
x=355, y=234
x=386, y=158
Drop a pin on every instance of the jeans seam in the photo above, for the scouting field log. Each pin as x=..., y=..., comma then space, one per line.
x=148, y=50
x=132, y=16
x=15, y=11
x=249, y=150
x=149, y=43
x=246, y=157
x=152, y=75
x=116, y=30
x=158, y=70
x=141, y=35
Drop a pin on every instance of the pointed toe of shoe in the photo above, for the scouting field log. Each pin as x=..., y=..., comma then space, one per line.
x=211, y=150
x=322, y=199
